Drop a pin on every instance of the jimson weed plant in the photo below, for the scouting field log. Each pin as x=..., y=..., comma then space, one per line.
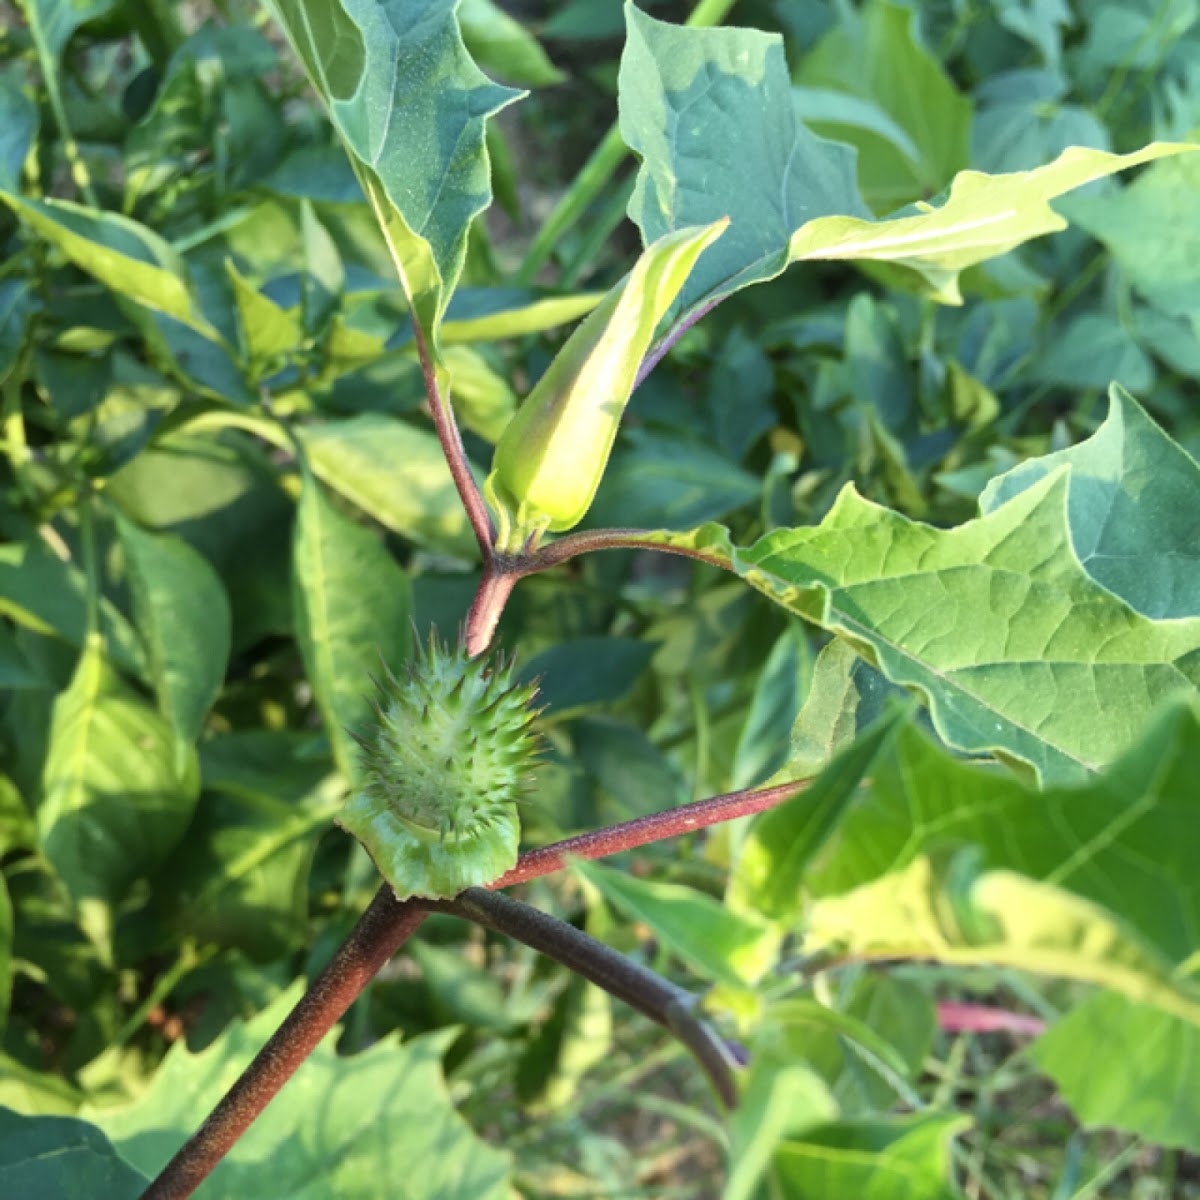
x=321, y=704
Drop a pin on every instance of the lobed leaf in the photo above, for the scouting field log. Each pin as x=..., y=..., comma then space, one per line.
x=1130, y=507
x=1014, y=647
x=411, y=108
x=342, y=1125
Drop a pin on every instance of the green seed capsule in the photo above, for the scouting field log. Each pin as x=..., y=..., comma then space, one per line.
x=442, y=771
x=551, y=456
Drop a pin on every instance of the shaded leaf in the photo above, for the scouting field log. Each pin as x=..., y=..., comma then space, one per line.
x=240, y=877
x=64, y=1158
x=504, y=47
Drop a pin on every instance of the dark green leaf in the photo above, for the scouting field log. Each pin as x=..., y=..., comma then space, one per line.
x=62, y=1158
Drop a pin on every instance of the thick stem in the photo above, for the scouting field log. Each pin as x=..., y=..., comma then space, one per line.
x=381, y=931
x=494, y=590
x=662, y=1001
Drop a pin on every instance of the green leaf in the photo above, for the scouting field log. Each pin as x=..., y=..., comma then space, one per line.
x=497, y=314
x=64, y=1158
x=239, y=879
x=973, y=865
x=268, y=331
x=126, y=257
x=762, y=746
x=343, y=1125
x=35, y=1093
x=183, y=616
x=1150, y=230
x=17, y=307
x=18, y=128
x=113, y=804
x=869, y=1042
x=710, y=113
x=769, y=874
x=661, y=479
x=410, y=105
x=42, y=592
x=896, y=1158
x=587, y=672
x=57, y=20
x=721, y=945
x=483, y=401
x=353, y=608
x=6, y=957
x=504, y=47
x=779, y=1099
x=1014, y=647
x=1143, y=1082
x=871, y=83
x=1130, y=505
x=396, y=473
x=983, y=216
x=847, y=695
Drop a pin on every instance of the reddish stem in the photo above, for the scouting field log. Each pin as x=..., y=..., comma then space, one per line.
x=454, y=452
x=607, y=539
x=382, y=929
x=955, y=1017
x=495, y=587
x=642, y=831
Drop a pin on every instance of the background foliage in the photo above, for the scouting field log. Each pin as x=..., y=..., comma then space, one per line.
x=969, y=602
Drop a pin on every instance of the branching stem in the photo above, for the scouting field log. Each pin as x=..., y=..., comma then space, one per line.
x=383, y=928
x=662, y=1001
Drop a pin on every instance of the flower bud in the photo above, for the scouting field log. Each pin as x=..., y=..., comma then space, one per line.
x=552, y=454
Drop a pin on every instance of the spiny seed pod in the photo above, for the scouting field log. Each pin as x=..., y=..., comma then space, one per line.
x=442, y=772
x=552, y=454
